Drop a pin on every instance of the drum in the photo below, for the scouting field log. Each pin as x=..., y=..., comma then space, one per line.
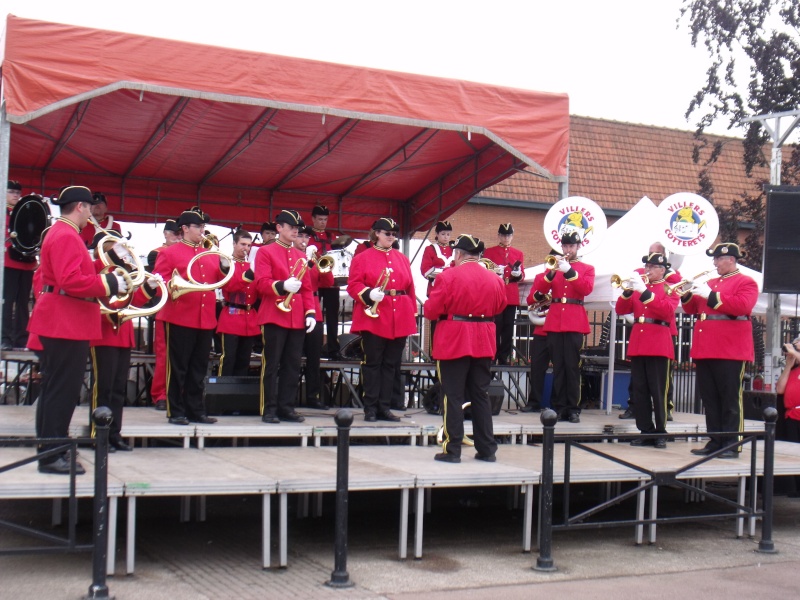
x=28, y=220
x=341, y=268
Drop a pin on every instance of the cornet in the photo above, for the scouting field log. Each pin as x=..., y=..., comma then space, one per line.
x=619, y=282
x=372, y=310
x=298, y=270
x=683, y=286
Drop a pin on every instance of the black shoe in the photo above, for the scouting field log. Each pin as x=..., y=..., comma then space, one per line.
x=388, y=416
x=111, y=449
x=574, y=418
x=179, y=420
x=6, y=346
x=448, y=458
x=270, y=419
x=669, y=416
x=642, y=442
x=628, y=414
x=292, y=417
x=703, y=451
x=316, y=406
x=370, y=417
x=119, y=445
x=205, y=420
x=486, y=458
x=728, y=454
x=530, y=408
x=161, y=405
x=660, y=443
x=60, y=466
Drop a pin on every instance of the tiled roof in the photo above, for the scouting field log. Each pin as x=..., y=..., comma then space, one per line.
x=615, y=164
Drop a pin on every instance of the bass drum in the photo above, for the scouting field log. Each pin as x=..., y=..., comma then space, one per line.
x=341, y=265
x=26, y=225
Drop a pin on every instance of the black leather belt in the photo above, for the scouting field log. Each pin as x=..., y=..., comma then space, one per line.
x=567, y=301
x=471, y=319
x=394, y=293
x=653, y=321
x=239, y=306
x=49, y=289
x=705, y=317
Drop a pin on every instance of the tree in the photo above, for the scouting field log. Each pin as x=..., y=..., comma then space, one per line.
x=754, y=46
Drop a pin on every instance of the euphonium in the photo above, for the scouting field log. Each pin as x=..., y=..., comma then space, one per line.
x=286, y=304
x=178, y=286
x=372, y=310
x=683, y=286
x=619, y=282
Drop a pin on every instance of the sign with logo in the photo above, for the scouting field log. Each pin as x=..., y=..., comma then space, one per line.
x=688, y=223
x=575, y=213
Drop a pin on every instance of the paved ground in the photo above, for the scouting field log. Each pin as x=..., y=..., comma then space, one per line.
x=471, y=551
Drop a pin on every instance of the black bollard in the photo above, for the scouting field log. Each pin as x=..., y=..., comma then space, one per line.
x=340, y=578
x=544, y=562
x=102, y=419
x=766, y=544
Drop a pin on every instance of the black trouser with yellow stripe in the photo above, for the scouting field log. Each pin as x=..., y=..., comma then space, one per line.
x=649, y=387
x=719, y=383
x=466, y=379
x=379, y=370
x=280, y=369
x=110, y=366
x=187, y=367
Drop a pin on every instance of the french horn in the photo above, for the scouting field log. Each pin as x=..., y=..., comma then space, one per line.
x=178, y=285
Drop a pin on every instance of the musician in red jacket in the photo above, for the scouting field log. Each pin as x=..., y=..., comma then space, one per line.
x=511, y=262
x=323, y=239
x=722, y=343
x=650, y=346
x=238, y=321
x=17, y=281
x=189, y=321
x=380, y=277
x=65, y=317
x=466, y=298
x=312, y=344
x=106, y=221
x=566, y=324
x=435, y=258
x=286, y=314
x=538, y=306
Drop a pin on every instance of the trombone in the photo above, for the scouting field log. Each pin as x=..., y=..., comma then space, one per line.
x=372, y=310
x=619, y=282
x=684, y=285
x=286, y=304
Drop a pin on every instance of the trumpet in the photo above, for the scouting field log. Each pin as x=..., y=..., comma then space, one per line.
x=619, y=282
x=325, y=263
x=178, y=286
x=383, y=281
x=551, y=262
x=298, y=270
x=683, y=286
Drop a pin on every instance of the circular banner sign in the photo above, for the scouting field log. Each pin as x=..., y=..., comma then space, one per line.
x=575, y=213
x=688, y=223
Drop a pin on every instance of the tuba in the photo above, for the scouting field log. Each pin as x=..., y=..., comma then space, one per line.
x=383, y=281
x=178, y=286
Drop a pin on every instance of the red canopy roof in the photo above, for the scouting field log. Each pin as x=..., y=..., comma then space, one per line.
x=159, y=126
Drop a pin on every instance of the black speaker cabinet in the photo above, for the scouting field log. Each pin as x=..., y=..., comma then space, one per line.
x=233, y=395
x=781, y=266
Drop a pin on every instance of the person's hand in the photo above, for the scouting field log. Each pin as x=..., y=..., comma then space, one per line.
x=499, y=269
x=376, y=295
x=516, y=273
x=153, y=280
x=124, y=281
x=224, y=264
x=701, y=289
x=791, y=355
x=292, y=285
x=563, y=264
x=311, y=323
x=637, y=284
x=122, y=252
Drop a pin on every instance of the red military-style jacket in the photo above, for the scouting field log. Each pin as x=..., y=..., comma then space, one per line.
x=193, y=309
x=239, y=315
x=274, y=265
x=574, y=285
x=11, y=262
x=654, y=319
x=398, y=310
x=671, y=278
x=533, y=297
x=69, y=309
x=431, y=259
x=88, y=232
x=506, y=256
x=468, y=291
x=728, y=334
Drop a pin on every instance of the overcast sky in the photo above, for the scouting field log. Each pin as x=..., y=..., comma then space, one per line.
x=623, y=60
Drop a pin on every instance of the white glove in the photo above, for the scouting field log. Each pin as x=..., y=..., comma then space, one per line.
x=563, y=265
x=292, y=285
x=637, y=284
x=376, y=295
x=153, y=279
x=224, y=263
x=702, y=289
x=122, y=284
x=122, y=252
x=311, y=323
x=500, y=269
x=516, y=272
x=535, y=318
x=628, y=318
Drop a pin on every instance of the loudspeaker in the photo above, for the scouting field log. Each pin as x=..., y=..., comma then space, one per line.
x=781, y=242
x=233, y=395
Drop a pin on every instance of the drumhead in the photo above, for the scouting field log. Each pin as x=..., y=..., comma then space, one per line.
x=29, y=218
